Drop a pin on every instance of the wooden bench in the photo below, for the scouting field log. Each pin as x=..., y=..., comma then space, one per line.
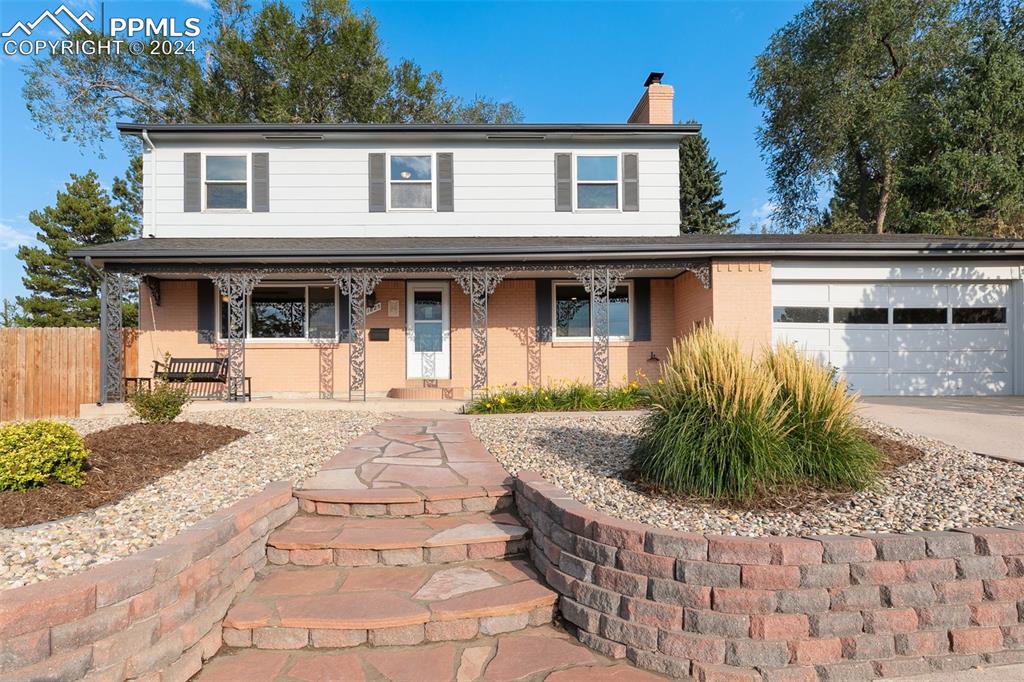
x=197, y=371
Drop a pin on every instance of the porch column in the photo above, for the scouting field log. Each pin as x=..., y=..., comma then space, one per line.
x=236, y=286
x=113, y=286
x=599, y=282
x=478, y=285
x=357, y=285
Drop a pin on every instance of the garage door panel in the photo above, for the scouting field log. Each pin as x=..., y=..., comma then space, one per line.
x=919, y=339
x=852, y=361
x=924, y=383
x=978, y=339
x=923, y=295
x=978, y=295
x=802, y=337
x=984, y=383
x=850, y=337
x=918, y=361
x=802, y=294
x=979, y=361
x=862, y=295
x=868, y=383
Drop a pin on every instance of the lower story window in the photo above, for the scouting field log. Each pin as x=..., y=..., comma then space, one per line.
x=573, y=312
x=287, y=312
x=979, y=315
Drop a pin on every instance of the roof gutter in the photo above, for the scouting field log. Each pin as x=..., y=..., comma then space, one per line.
x=527, y=257
x=151, y=149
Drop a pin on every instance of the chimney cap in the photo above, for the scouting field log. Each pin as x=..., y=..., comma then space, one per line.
x=653, y=77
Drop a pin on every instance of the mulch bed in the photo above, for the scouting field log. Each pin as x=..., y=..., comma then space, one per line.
x=795, y=496
x=122, y=459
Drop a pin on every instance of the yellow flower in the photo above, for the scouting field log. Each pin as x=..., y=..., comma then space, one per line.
x=502, y=400
x=488, y=406
x=660, y=380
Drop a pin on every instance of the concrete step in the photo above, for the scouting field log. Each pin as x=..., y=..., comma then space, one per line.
x=345, y=541
x=293, y=607
x=401, y=501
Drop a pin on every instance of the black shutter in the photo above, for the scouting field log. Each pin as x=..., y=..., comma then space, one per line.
x=563, y=182
x=205, y=311
x=642, y=309
x=193, y=183
x=630, y=182
x=344, y=318
x=445, y=183
x=378, y=183
x=261, y=182
x=543, y=298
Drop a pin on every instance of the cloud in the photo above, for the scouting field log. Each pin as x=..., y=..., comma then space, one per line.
x=761, y=217
x=201, y=4
x=11, y=239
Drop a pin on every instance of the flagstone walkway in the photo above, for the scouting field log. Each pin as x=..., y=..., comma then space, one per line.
x=405, y=562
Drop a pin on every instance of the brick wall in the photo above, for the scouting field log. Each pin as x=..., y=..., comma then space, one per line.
x=742, y=301
x=779, y=608
x=293, y=369
x=155, y=615
x=694, y=305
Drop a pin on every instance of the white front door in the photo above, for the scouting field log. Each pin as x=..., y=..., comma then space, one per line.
x=428, y=333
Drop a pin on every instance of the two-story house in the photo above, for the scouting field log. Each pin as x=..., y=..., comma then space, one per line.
x=435, y=260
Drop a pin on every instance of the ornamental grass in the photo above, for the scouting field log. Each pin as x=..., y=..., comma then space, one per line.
x=717, y=429
x=828, y=447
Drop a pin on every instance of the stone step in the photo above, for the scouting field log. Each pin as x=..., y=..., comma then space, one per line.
x=346, y=541
x=403, y=501
x=540, y=653
x=293, y=607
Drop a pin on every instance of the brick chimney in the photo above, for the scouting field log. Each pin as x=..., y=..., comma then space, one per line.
x=655, y=105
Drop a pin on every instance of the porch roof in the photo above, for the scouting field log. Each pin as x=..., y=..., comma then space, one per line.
x=363, y=250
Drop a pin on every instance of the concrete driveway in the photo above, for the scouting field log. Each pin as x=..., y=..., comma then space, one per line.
x=991, y=426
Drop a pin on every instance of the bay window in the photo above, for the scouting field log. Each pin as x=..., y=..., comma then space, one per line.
x=573, y=312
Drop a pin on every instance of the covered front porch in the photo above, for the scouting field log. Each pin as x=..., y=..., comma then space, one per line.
x=332, y=331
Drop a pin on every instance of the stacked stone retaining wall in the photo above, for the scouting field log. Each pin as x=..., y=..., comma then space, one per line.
x=153, y=616
x=779, y=608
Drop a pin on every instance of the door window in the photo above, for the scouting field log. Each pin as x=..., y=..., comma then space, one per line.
x=427, y=321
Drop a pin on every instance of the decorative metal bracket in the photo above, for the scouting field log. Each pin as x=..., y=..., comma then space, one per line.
x=236, y=285
x=478, y=285
x=357, y=285
x=113, y=287
x=599, y=283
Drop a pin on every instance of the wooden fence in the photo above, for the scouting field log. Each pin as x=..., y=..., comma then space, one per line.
x=50, y=371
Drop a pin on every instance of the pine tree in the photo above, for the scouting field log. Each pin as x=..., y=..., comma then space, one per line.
x=127, y=191
x=63, y=292
x=701, y=208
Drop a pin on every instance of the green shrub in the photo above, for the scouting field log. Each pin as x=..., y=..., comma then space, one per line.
x=561, y=397
x=33, y=453
x=827, y=446
x=717, y=429
x=161, y=404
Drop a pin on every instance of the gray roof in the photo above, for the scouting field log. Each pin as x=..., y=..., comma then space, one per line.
x=392, y=128
x=412, y=249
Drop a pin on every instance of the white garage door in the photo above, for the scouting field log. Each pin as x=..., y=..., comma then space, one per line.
x=903, y=339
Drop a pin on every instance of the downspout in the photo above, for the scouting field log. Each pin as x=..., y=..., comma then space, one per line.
x=149, y=143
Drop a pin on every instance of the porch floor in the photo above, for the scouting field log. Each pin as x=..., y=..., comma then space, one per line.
x=373, y=405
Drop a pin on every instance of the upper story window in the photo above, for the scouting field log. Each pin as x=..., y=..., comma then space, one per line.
x=573, y=318
x=227, y=182
x=597, y=182
x=411, y=181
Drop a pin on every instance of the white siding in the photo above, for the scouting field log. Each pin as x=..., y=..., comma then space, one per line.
x=501, y=189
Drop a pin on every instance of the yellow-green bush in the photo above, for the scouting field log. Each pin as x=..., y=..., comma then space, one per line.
x=33, y=453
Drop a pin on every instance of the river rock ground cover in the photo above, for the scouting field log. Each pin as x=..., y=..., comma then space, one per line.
x=588, y=456
x=279, y=445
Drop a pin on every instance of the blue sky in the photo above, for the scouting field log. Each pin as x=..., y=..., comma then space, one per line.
x=559, y=61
